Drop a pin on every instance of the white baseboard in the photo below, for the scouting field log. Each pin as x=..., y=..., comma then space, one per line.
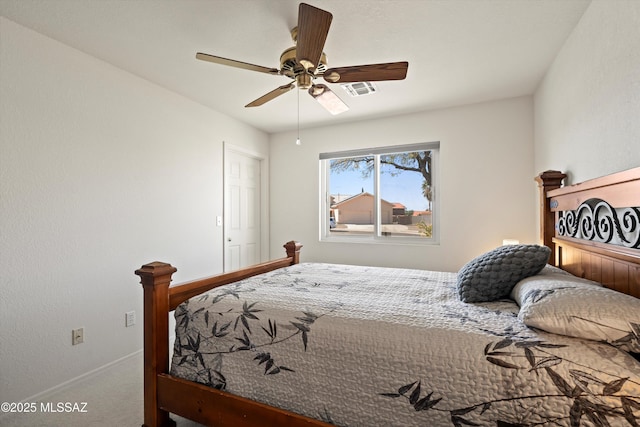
x=44, y=394
x=60, y=387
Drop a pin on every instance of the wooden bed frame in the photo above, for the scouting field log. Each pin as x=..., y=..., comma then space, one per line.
x=595, y=257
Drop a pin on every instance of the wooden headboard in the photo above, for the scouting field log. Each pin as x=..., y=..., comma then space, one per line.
x=593, y=228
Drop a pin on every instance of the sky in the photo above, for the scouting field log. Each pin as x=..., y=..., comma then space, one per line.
x=405, y=188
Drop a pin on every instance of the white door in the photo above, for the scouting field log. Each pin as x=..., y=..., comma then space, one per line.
x=241, y=210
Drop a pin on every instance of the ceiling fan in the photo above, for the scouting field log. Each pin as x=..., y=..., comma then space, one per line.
x=305, y=62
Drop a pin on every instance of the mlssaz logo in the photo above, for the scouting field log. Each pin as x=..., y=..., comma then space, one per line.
x=63, y=407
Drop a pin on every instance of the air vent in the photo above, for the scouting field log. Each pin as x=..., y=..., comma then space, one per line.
x=359, y=89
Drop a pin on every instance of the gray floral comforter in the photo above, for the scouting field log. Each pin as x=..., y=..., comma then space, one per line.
x=370, y=346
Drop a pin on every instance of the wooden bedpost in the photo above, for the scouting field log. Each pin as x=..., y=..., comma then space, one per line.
x=293, y=250
x=155, y=278
x=547, y=181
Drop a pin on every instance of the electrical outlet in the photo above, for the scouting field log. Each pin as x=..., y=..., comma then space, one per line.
x=129, y=318
x=77, y=336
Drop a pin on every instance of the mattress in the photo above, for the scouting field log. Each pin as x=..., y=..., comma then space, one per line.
x=371, y=346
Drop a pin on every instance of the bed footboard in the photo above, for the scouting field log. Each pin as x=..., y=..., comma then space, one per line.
x=159, y=300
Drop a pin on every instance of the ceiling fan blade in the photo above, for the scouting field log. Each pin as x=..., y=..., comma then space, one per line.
x=367, y=73
x=271, y=95
x=328, y=99
x=313, y=27
x=237, y=64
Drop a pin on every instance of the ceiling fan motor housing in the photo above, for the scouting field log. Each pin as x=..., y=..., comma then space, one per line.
x=290, y=67
x=304, y=81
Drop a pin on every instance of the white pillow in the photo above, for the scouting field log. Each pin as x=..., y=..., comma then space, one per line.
x=552, y=269
x=567, y=305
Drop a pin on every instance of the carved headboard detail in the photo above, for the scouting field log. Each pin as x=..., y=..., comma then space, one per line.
x=593, y=227
x=598, y=221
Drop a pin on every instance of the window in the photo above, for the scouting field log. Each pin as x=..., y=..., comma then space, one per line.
x=385, y=194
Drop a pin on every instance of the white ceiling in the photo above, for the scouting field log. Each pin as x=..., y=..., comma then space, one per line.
x=459, y=51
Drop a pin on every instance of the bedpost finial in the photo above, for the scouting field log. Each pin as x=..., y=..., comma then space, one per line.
x=151, y=272
x=547, y=181
x=293, y=250
x=550, y=178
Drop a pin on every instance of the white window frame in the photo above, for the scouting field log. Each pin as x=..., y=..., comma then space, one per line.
x=377, y=237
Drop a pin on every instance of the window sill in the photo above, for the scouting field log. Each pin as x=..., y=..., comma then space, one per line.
x=383, y=240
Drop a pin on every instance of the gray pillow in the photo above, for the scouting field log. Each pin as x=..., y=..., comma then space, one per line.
x=491, y=276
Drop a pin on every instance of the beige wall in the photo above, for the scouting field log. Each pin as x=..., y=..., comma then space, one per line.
x=587, y=108
x=101, y=172
x=485, y=171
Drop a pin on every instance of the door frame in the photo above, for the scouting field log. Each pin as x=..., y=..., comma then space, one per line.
x=264, y=199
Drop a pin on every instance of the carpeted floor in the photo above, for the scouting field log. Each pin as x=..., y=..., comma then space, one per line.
x=110, y=397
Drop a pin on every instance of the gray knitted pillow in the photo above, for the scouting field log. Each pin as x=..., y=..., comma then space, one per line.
x=491, y=276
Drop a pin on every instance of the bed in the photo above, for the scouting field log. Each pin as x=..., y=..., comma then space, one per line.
x=423, y=347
